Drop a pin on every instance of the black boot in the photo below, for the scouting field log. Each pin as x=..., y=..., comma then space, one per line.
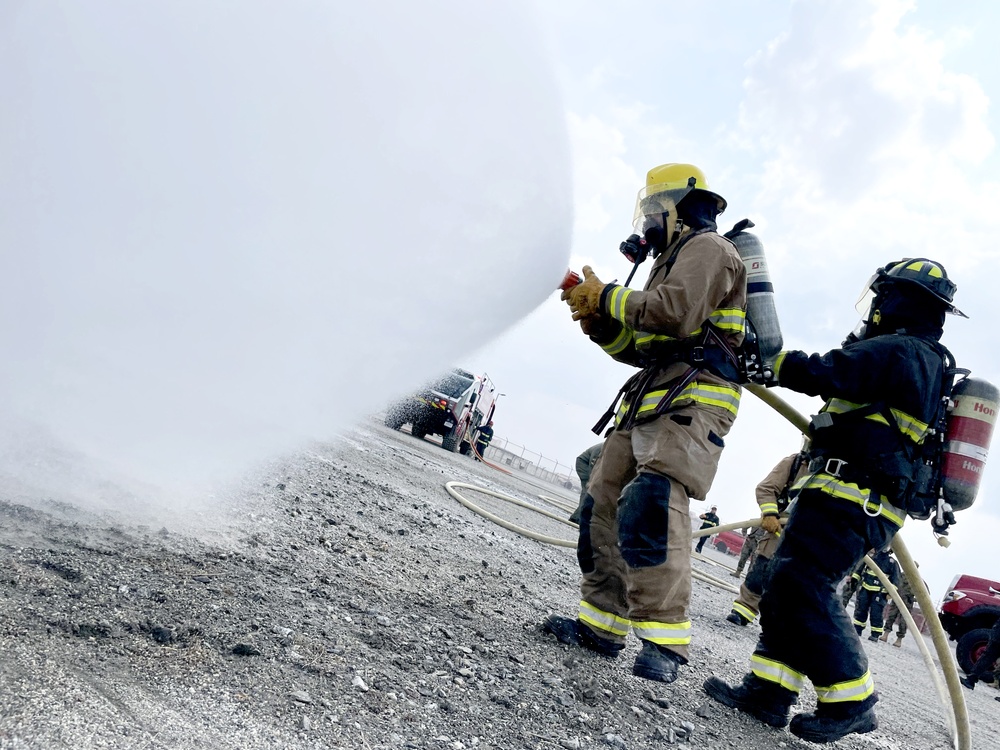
x=969, y=682
x=833, y=721
x=736, y=618
x=769, y=704
x=657, y=663
x=575, y=633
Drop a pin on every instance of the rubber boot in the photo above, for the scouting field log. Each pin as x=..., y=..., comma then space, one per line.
x=767, y=703
x=657, y=663
x=834, y=721
x=575, y=633
x=737, y=619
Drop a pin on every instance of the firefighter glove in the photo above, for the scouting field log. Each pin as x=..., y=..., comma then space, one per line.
x=592, y=325
x=771, y=524
x=585, y=298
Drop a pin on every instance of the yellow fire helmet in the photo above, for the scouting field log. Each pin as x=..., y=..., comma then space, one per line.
x=666, y=186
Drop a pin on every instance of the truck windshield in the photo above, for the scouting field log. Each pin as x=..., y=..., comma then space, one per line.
x=452, y=385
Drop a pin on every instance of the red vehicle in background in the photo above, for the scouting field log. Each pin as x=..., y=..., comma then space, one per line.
x=967, y=612
x=728, y=542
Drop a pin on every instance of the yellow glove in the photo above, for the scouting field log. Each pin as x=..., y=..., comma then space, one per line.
x=771, y=524
x=584, y=299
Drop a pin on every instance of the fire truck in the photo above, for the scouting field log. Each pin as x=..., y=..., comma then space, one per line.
x=453, y=406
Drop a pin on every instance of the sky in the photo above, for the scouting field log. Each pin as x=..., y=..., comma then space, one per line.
x=225, y=233
x=852, y=133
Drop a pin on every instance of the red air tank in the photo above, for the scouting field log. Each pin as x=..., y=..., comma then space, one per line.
x=967, y=440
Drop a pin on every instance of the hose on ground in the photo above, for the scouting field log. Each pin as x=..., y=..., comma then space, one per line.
x=453, y=490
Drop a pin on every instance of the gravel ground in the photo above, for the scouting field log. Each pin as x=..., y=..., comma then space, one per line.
x=349, y=602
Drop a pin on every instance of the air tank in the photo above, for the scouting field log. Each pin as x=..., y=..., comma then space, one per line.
x=968, y=431
x=760, y=292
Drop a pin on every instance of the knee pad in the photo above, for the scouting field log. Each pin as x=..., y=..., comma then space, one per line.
x=584, y=546
x=643, y=511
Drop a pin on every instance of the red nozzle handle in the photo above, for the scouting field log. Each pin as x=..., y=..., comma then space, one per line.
x=570, y=280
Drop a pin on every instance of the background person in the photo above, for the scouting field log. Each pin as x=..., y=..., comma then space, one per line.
x=585, y=463
x=709, y=520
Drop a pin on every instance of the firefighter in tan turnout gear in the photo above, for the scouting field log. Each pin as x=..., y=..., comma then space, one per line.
x=772, y=497
x=680, y=331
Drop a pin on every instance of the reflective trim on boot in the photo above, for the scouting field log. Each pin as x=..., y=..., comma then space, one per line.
x=607, y=622
x=765, y=708
x=743, y=611
x=849, y=691
x=657, y=663
x=819, y=728
x=777, y=673
x=575, y=633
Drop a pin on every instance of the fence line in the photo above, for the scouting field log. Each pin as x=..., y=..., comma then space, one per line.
x=534, y=464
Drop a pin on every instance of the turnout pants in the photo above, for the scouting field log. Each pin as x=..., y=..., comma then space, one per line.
x=870, y=605
x=892, y=615
x=635, y=529
x=752, y=588
x=805, y=631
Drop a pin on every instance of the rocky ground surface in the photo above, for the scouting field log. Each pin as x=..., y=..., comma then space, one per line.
x=350, y=602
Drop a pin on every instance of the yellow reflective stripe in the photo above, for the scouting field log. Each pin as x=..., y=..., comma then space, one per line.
x=720, y=396
x=620, y=343
x=909, y=425
x=774, y=671
x=858, y=623
x=645, y=339
x=870, y=587
x=616, y=302
x=731, y=319
x=747, y=613
x=766, y=508
x=852, y=690
x=878, y=630
x=664, y=633
x=778, y=362
x=849, y=491
x=601, y=620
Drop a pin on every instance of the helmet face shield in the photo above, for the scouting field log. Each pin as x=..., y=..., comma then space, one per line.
x=653, y=203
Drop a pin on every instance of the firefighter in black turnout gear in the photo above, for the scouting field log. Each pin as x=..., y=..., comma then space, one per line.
x=882, y=390
x=872, y=594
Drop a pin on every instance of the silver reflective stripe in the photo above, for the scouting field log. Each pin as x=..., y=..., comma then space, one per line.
x=968, y=450
x=852, y=690
x=849, y=491
x=748, y=613
x=664, y=633
x=775, y=671
x=620, y=343
x=616, y=302
x=606, y=621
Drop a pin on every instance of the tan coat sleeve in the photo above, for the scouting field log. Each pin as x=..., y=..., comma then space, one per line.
x=772, y=485
x=704, y=275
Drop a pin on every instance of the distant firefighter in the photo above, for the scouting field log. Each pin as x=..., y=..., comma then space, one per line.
x=772, y=497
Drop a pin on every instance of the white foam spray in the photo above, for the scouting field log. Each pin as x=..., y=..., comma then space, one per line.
x=229, y=228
